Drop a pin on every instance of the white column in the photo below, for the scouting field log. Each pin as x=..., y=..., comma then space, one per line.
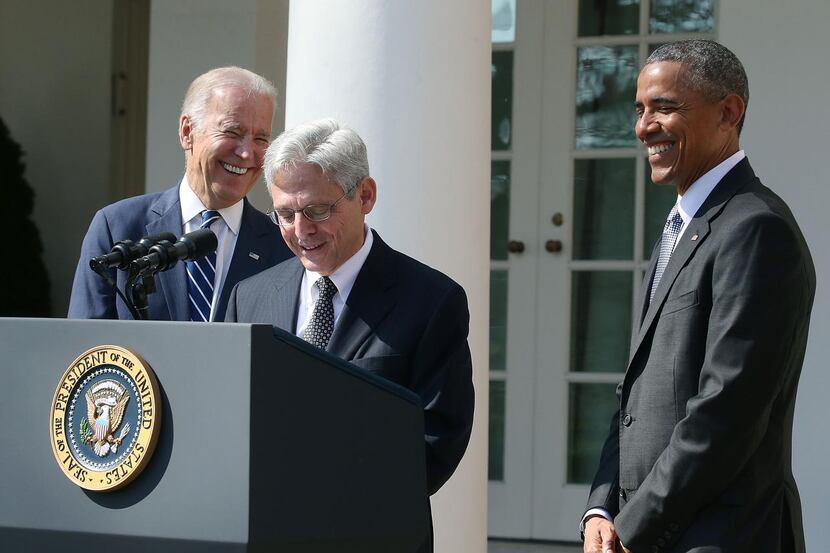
x=413, y=79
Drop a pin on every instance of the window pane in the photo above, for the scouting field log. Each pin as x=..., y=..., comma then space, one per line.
x=600, y=320
x=590, y=408
x=682, y=16
x=606, y=84
x=604, y=208
x=495, y=466
x=504, y=20
x=499, y=208
x=609, y=17
x=659, y=200
x=502, y=102
x=498, y=320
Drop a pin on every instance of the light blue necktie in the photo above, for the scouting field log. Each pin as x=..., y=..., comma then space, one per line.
x=670, y=232
x=201, y=275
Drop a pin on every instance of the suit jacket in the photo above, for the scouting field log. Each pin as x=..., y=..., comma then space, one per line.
x=698, y=458
x=403, y=321
x=133, y=218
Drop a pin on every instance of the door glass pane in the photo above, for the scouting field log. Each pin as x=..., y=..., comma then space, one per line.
x=604, y=208
x=498, y=320
x=659, y=200
x=504, y=21
x=606, y=84
x=501, y=115
x=600, y=320
x=499, y=208
x=495, y=465
x=682, y=16
x=591, y=407
x=609, y=17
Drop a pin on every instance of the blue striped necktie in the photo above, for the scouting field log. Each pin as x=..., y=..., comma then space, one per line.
x=670, y=232
x=201, y=275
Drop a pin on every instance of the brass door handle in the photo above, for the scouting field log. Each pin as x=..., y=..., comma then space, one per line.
x=553, y=246
x=515, y=246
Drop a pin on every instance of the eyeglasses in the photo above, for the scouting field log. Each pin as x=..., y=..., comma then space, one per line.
x=316, y=213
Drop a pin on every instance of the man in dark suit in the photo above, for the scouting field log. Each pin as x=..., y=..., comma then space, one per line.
x=224, y=129
x=349, y=293
x=698, y=458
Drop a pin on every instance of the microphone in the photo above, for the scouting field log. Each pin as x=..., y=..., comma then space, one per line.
x=125, y=251
x=165, y=255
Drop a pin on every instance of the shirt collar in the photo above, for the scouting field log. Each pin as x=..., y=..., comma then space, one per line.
x=192, y=206
x=689, y=203
x=345, y=275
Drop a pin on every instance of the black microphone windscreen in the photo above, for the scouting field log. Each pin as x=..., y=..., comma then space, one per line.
x=199, y=243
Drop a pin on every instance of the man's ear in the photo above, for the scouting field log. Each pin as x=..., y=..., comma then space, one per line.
x=368, y=193
x=732, y=110
x=185, y=133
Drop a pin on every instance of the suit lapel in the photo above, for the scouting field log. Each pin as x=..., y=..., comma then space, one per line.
x=694, y=235
x=252, y=239
x=285, y=295
x=369, y=301
x=172, y=283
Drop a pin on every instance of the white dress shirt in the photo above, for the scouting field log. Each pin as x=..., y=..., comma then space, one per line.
x=343, y=278
x=226, y=229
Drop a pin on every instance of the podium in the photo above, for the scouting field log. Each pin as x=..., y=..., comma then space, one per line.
x=266, y=444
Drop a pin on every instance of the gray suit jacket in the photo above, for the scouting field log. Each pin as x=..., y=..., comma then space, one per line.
x=403, y=321
x=698, y=458
x=134, y=218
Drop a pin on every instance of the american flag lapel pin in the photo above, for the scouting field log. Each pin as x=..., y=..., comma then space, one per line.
x=255, y=256
x=694, y=237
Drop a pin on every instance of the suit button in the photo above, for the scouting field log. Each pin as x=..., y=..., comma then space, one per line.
x=661, y=542
x=667, y=535
x=627, y=420
x=655, y=549
x=674, y=527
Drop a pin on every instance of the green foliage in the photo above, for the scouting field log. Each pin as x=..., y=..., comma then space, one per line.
x=86, y=433
x=24, y=286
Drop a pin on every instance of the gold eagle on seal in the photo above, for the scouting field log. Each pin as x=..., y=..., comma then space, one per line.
x=105, y=405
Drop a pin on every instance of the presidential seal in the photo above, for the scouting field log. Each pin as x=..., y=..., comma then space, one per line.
x=106, y=418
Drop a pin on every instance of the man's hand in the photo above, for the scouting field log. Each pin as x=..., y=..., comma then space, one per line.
x=600, y=536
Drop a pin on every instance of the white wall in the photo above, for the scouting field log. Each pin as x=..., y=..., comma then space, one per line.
x=189, y=37
x=55, y=59
x=784, y=47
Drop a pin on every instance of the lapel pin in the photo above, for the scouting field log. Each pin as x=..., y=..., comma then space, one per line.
x=694, y=237
x=255, y=257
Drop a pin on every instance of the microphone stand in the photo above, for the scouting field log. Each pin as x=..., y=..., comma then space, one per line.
x=139, y=286
x=104, y=273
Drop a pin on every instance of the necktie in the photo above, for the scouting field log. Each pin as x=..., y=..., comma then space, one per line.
x=670, y=232
x=201, y=274
x=320, y=326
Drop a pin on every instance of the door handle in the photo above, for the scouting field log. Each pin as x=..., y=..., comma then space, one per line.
x=515, y=246
x=553, y=246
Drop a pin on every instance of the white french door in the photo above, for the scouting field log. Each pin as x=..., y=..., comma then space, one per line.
x=572, y=223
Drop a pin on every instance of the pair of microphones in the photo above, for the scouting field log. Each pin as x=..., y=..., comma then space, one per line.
x=155, y=253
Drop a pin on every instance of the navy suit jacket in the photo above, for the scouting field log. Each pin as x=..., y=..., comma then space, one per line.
x=134, y=218
x=403, y=321
x=699, y=456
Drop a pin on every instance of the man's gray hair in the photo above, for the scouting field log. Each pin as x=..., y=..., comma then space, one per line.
x=337, y=150
x=711, y=69
x=201, y=90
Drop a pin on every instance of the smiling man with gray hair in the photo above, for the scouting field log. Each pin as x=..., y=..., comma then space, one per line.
x=224, y=130
x=350, y=294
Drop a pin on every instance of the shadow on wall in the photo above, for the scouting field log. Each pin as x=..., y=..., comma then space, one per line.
x=24, y=282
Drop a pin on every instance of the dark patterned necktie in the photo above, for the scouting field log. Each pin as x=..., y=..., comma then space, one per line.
x=320, y=326
x=670, y=232
x=201, y=275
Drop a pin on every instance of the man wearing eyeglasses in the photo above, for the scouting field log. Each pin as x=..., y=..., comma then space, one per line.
x=387, y=313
